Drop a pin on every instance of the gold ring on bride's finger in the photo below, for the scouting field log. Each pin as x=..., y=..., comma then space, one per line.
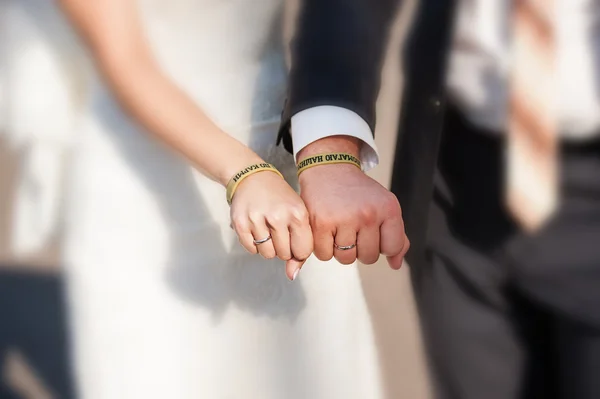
x=344, y=247
x=258, y=242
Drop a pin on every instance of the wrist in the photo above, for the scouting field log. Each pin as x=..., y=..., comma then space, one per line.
x=238, y=164
x=248, y=173
x=346, y=144
x=333, y=144
x=330, y=172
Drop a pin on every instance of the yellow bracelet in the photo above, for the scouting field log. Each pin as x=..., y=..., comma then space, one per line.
x=328, y=159
x=250, y=170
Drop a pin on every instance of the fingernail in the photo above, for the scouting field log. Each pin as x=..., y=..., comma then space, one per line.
x=295, y=274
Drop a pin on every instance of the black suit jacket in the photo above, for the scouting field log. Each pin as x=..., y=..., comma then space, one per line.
x=336, y=60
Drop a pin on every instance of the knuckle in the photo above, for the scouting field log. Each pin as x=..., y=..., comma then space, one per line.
x=285, y=256
x=323, y=256
x=299, y=214
x=406, y=246
x=345, y=260
x=239, y=223
x=268, y=254
x=301, y=249
x=369, y=259
x=392, y=205
x=368, y=215
x=321, y=223
x=302, y=254
x=255, y=217
x=276, y=217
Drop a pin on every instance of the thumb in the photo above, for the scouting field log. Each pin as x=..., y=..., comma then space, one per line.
x=292, y=268
x=395, y=261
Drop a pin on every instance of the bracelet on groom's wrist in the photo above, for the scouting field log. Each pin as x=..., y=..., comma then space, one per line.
x=246, y=172
x=328, y=159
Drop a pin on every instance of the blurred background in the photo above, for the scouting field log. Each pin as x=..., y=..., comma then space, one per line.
x=34, y=350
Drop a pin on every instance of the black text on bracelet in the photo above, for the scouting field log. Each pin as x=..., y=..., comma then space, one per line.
x=248, y=171
x=328, y=159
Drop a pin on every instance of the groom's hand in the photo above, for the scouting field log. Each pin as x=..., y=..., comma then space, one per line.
x=347, y=207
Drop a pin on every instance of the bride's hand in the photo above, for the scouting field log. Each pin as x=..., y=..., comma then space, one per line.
x=265, y=205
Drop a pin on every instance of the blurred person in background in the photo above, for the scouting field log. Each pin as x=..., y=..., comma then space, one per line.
x=497, y=170
x=164, y=302
x=34, y=345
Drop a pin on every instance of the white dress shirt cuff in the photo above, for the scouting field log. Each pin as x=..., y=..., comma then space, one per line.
x=319, y=122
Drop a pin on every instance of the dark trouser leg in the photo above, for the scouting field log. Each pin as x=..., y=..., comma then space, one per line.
x=559, y=268
x=7, y=393
x=480, y=334
x=6, y=340
x=579, y=354
x=473, y=347
x=36, y=312
x=477, y=349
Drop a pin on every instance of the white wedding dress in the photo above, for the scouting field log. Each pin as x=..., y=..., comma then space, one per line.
x=165, y=303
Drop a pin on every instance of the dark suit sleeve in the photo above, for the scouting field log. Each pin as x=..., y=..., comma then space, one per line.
x=337, y=57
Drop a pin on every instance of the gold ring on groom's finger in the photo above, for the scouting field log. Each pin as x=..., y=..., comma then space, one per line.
x=344, y=247
x=258, y=242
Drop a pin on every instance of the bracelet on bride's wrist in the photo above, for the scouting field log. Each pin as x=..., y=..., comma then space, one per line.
x=246, y=172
